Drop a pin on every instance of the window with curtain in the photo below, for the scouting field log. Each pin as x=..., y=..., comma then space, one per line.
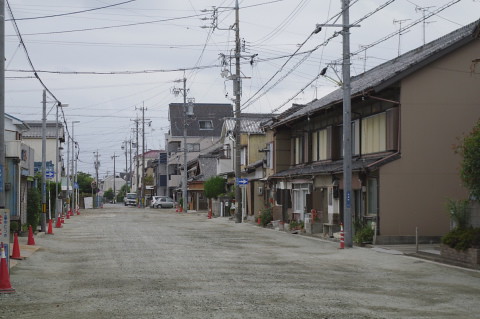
x=374, y=134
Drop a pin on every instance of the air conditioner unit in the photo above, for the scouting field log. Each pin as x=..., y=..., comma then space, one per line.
x=260, y=190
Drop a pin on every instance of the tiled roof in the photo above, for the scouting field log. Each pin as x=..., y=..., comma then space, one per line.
x=391, y=71
x=359, y=164
x=249, y=125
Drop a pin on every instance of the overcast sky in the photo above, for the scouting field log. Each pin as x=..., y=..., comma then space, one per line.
x=153, y=40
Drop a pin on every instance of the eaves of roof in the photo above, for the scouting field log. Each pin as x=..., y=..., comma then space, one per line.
x=336, y=167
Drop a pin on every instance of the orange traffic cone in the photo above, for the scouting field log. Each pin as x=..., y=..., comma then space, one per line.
x=31, y=240
x=59, y=222
x=5, y=286
x=78, y=211
x=16, y=248
x=50, y=227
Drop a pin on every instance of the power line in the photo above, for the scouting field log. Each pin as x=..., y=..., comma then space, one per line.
x=252, y=98
x=408, y=26
x=311, y=51
x=181, y=69
x=71, y=13
x=115, y=26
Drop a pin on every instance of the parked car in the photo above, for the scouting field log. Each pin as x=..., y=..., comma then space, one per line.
x=164, y=202
x=153, y=200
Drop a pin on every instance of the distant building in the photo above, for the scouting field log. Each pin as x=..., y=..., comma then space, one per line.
x=33, y=138
x=203, y=126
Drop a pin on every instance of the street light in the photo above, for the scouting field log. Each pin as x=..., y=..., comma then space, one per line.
x=57, y=155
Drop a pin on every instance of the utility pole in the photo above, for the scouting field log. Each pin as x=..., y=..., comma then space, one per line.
x=347, y=127
x=136, y=157
x=114, y=176
x=125, y=146
x=77, y=196
x=68, y=174
x=97, y=166
x=130, y=170
x=44, y=154
x=143, y=156
x=57, y=155
x=176, y=91
x=2, y=106
x=142, y=189
x=347, y=120
x=73, y=201
x=237, y=91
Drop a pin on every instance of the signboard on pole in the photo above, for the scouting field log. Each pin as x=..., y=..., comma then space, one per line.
x=49, y=174
x=5, y=231
x=242, y=181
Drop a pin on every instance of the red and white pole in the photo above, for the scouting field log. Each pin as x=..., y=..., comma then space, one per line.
x=342, y=237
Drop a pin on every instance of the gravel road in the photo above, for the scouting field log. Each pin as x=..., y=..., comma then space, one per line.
x=124, y=262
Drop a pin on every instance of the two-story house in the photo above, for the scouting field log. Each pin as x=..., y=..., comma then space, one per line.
x=252, y=159
x=203, y=123
x=406, y=115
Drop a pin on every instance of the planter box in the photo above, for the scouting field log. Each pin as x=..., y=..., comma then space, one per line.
x=470, y=256
x=314, y=228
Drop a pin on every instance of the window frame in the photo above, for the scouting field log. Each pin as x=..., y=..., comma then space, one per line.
x=204, y=127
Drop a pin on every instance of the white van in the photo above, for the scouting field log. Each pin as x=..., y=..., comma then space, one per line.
x=130, y=199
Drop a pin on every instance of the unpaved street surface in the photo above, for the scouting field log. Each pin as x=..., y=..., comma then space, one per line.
x=122, y=262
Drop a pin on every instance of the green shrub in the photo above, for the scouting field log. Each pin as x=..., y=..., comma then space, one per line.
x=462, y=239
x=469, y=148
x=459, y=212
x=363, y=233
x=294, y=225
x=266, y=216
x=34, y=207
x=214, y=186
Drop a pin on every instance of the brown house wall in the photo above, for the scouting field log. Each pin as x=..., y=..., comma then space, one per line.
x=439, y=103
x=282, y=151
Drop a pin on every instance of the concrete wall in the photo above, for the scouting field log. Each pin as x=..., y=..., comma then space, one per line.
x=439, y=104
x=50, y=144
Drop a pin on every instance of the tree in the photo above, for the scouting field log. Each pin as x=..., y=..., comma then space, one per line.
x=84, y=181
x=148, y=180
x=214, y=187
x=470, y=166
x=34, y=207
x=108, y=194
x=122, y=193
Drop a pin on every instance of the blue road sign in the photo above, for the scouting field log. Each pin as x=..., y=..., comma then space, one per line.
x=49, y=174
x=242, y=181
x=75, y=186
